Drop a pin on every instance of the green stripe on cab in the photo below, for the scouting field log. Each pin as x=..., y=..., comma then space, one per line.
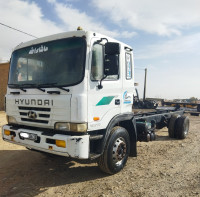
x=105, y=100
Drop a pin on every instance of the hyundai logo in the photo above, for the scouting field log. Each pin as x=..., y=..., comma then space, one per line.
x=32, y=115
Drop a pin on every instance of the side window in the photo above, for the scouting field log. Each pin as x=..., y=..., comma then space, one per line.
x=97, y=62
x=128, y=66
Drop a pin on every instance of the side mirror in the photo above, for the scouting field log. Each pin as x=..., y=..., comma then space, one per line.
x=111, y=63
x=112, y=48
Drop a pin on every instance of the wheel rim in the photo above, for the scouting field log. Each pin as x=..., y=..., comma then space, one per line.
x=119, y=151
x=186, y=129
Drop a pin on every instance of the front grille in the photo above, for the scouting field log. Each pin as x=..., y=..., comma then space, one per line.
x=35, y=108
x=23, y=113
x=31, y=120
x=42, y=114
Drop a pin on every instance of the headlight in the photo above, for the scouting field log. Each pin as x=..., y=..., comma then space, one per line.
x=62, y=126
x=77, y=127
x=11, y=120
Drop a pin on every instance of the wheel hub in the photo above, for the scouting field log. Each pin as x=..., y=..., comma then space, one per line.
x=119, y=151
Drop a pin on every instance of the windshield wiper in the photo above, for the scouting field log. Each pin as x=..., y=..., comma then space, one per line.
x=53, y=85
x=31, y=85
x=67, y=90
x=18, y=86
x=38, y=86
x=13, y=84
x=26, y=85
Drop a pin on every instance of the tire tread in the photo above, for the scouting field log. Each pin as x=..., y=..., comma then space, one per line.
x=171, y=127
x=102, y=160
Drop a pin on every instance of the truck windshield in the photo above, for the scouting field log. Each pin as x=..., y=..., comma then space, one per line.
x=54, y=63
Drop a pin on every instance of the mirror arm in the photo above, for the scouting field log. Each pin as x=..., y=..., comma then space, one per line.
x=100, y=83
x=98, y=41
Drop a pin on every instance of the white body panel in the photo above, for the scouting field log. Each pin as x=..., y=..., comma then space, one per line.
x=76, y=146
x=49, y=108
x=81, y=104
x=112, y=90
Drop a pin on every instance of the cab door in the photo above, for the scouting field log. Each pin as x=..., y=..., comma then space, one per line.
x=104, y=101
x=128, y=81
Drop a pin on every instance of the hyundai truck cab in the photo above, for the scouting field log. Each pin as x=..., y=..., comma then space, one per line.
x=64, y=90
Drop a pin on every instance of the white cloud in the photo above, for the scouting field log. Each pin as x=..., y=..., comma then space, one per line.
x=24, y=16
x=28, y=17
x=127, y=34
x=155, y=16
x=72, y=18
x=184, y=44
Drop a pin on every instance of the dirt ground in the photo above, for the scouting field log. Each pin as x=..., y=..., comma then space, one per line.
x=163, y=167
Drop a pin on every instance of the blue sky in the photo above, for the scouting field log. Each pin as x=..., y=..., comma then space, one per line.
x=165, y=35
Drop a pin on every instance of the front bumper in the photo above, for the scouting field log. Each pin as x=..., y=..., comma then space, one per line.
x=76, y=146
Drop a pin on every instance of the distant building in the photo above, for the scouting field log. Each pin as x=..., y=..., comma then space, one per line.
x=4, y=68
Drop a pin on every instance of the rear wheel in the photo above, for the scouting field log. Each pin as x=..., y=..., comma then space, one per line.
x=153, y=136
x=172, y=125
x=116, y=151
x=182, y=127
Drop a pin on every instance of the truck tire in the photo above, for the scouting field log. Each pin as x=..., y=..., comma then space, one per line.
x=116, y=151
x=172, y=125
x=182, y=127
x=153, y=136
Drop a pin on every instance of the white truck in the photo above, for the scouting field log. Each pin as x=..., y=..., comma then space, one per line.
x=71, y=94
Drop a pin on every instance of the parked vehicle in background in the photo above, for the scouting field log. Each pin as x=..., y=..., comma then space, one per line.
x=143, y=104
x=182, y=104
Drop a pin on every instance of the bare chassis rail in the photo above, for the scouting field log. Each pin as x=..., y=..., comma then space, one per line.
x=178, y=105
x=157, y=115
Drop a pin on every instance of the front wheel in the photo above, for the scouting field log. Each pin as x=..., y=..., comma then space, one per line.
x=116, y=151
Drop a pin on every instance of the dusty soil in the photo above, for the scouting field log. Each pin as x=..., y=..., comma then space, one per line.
x=164, y=167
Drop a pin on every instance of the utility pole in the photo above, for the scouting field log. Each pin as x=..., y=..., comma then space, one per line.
x=145, y=80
